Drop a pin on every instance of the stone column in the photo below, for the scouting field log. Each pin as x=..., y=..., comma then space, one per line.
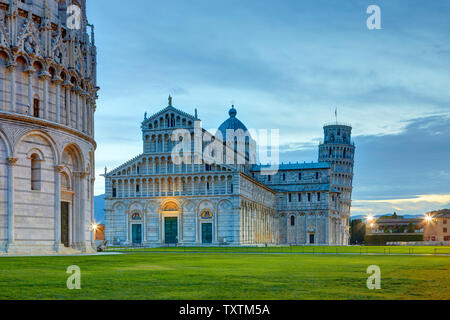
x=57, y=207
x=58, y=82
x=84, y=108
x=71, y=224
x=12, y=69
x=45, y=76
x=30, y=72
x=10, y=238
x=92, y=182
x=67, y=87
x=80, y=199
x=83, y=181
x=77, y=107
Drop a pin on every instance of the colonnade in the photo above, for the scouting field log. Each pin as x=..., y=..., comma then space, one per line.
x=166, y=165
x=70, y=103
x=257, y=224
x=171, y=186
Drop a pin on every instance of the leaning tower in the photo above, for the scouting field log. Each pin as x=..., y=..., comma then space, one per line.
x=338, y=149
x=48, y=95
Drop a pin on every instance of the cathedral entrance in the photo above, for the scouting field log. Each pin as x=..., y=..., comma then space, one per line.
x=65, y=224
x=206, y=233
x=136, y=234
x=171, y=230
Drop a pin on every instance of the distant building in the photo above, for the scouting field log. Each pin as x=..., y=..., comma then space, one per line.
x=437, y=226
x=395, y=225
x=100, y=232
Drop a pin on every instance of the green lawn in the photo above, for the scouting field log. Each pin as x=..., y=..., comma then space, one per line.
x=225, y=276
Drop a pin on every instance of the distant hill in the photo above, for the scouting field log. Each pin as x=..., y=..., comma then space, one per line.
x=99, y=206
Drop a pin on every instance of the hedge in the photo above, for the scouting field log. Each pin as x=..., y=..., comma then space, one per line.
x=381, y=239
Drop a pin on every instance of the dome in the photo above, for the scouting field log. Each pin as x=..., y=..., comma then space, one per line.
x=232, y=123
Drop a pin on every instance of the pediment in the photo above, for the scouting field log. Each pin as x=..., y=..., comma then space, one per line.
x=167, y=114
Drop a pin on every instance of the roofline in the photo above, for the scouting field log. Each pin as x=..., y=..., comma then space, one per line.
x=257, y=182
x=167, y=108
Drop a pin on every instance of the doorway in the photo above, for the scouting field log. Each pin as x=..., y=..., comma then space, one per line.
x=136, y=232
x=311, y=239
x=171, y=230
x=206, y=233
x=65, y=224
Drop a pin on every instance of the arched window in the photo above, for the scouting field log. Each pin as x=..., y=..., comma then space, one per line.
x=292, y=221
x=36, y=108
x=35, y=173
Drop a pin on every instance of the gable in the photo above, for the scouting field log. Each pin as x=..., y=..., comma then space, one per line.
x=167, y=118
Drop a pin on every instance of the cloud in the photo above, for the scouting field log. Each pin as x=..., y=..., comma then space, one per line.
x=415, y=205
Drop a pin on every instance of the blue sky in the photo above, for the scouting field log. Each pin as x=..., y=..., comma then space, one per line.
x=287, y=65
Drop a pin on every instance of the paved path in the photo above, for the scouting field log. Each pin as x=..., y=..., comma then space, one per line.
x=64, y=255
x=303, y=253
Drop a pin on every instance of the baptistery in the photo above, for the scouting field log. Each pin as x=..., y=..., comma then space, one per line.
x=48, y=93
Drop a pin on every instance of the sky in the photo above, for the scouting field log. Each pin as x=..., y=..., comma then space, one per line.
x=288, y=65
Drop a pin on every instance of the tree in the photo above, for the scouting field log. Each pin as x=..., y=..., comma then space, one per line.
x=357, y=231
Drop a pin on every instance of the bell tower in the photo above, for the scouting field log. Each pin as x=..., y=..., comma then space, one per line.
x=338, y=149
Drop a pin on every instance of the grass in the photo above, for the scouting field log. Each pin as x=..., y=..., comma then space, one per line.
x=225, y=276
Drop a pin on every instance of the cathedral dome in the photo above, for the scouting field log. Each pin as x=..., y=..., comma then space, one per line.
x=232, y=123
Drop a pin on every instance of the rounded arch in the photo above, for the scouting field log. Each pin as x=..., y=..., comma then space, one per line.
x=23, y=59
x=118, y=206
x=224, y=204
x=66, y=178
x=37, y=151
x=135, y=206
x=205, y=204
x=7, y=144
x=170, y=205
x=44, y=136
x=73, y=151
x=6, y=56
x=38, y=65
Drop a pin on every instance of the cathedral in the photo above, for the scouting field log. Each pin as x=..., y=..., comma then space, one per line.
x=184, y=190
x=48, y=96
